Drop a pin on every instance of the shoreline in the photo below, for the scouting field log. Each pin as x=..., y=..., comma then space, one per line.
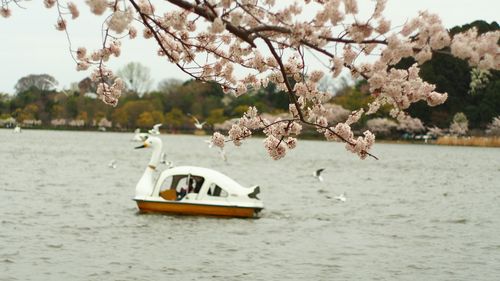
x=472, y=141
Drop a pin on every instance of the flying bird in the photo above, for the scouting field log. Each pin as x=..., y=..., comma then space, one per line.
x=222, y=154
x=156, y=129
x=112, y=164
x=210, y=143
x=163, y=158
x=317, y=174
x=341, y=197
x=55, y=86
x=138, y=136
x=197, y=123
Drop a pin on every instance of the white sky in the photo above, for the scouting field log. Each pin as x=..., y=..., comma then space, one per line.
x=29, y=43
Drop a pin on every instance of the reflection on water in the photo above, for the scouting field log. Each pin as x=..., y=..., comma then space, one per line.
x=421, y=212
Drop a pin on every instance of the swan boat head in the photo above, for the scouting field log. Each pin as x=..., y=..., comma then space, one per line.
x=146, y=183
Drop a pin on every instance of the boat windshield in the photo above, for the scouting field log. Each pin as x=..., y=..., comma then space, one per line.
x=177, y=186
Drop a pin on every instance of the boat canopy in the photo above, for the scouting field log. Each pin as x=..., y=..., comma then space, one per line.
x=208, y=175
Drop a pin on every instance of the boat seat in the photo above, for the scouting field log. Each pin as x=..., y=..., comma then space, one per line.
x=169, y=194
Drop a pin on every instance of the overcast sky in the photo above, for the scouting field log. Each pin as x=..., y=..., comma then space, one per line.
x=29, y=43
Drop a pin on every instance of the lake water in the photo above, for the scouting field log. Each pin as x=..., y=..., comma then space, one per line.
x=421, y=212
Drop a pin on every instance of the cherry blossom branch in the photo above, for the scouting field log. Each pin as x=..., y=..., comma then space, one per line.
x=203, y=12
x=269, y=41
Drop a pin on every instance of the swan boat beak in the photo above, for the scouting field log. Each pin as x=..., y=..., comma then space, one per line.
x=142, y=146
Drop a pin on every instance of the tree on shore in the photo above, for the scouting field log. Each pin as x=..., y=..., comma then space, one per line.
x=460, y=124
x=43, y=82
x=209, y=40
x=137, y=77
x=494, y=127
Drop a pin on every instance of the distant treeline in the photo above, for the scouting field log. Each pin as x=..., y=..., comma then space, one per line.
x=174, y=105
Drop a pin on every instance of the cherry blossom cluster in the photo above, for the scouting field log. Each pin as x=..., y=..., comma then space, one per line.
x=245, y=45
x=479, y=50
x=110, y=93
x=280, y=137
x=279, y=132
x=459, y=128
x=218, y=140
x=360, y=146
x=460, y=124
x=381, y=125
x=494, y=127
x=435, y=131
x=411, y=125
x=401, y=88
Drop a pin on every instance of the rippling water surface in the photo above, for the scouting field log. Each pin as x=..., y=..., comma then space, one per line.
x=422, y=212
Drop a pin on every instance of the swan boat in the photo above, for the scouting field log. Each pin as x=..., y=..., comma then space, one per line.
x=191, y=190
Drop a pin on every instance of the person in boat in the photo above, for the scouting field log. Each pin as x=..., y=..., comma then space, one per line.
x=183, y=190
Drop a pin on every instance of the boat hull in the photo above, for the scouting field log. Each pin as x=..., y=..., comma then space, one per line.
x=196, y=209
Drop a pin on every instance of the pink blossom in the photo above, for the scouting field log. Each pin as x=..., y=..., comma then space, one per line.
x=49, y=3
x=493, y=128
x=316, y=76
x=381, y=125
x=383, y=26
x=379, y=8
x=146, y=7
x=61, y=24
x=435, y=98
x=354, y=116
x=410, y=125
x=73, y=10
x=291, y=142
x=218, y=140
x=5, y=12
x=338, y=65
x=238, y=133
x=120, y=21
x=81, y=53
x=344, y=131
x=132, y=32
x=373, y=107
x=217, y=26
x=82, y=65
x=275, y=147
x=97, y=7
x=349, y=55
x=351, y=6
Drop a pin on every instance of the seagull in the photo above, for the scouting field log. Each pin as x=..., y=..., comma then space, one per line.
x=112, y=164
x=56, y=87
x=138, y=136
x=210, y=143
x=197, y=123
x=341, y=197
x=317, y=174
x=163, y=158
x=156, y=129
x=17, y=129
x=222, y=153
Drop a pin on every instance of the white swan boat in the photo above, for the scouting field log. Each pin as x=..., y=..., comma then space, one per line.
x=193, y=190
